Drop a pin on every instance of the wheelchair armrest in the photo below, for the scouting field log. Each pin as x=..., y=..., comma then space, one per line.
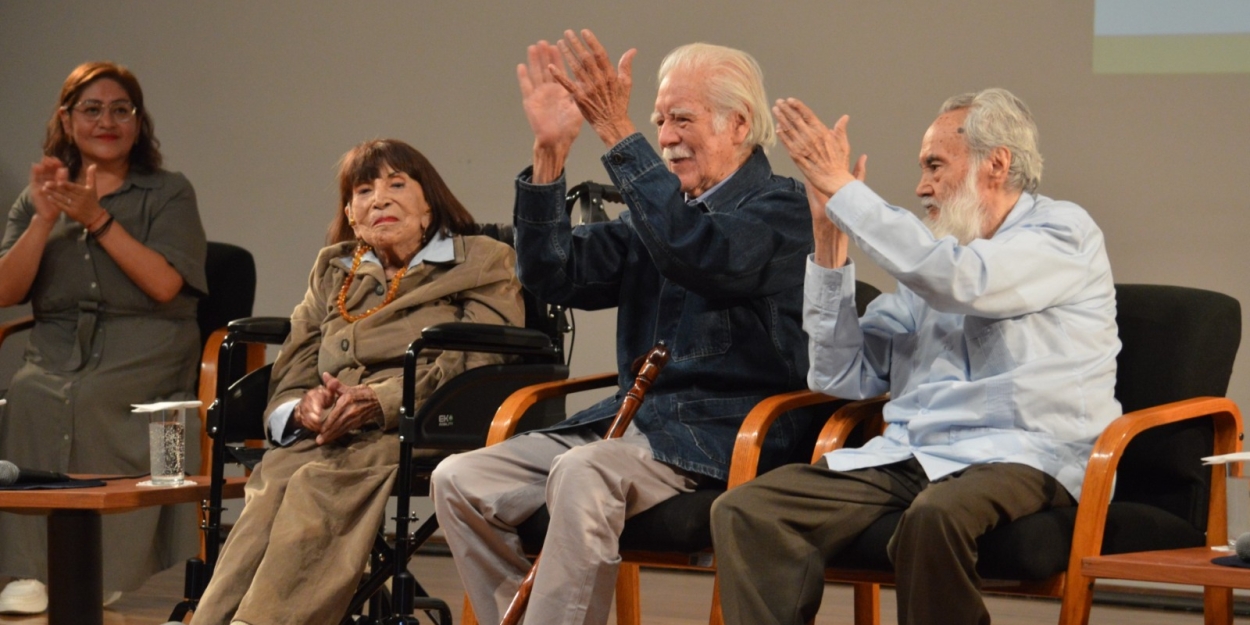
x=272, y=330
x=485, y=337
x=744, y=465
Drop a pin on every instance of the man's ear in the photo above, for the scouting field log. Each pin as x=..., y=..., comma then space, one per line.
x=740, y=128
x=998, y=165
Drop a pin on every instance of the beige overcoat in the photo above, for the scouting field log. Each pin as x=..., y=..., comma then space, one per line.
x=312, y=511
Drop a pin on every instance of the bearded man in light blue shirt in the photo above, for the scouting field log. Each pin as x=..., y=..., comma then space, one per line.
x=997, y=349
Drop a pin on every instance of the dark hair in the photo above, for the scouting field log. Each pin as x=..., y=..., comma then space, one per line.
x=145, y=154
x=364, y=163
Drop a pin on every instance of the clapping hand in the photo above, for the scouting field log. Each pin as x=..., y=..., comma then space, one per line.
x=550, y=109
x=79, y=200
x=601, y=91
x=822, y=154
x=42, y=175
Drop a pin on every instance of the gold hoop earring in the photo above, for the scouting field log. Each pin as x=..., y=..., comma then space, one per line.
x=351, y=221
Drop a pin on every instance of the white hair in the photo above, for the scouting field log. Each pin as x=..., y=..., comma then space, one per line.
x=997, y=118
x=735, y=84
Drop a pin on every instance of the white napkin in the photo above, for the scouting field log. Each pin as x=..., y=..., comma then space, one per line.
x=165, y=405
x=1240, y=456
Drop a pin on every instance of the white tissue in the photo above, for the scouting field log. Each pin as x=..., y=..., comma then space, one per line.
x=165, y=405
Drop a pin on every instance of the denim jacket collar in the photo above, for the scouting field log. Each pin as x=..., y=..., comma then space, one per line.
x=753, y=173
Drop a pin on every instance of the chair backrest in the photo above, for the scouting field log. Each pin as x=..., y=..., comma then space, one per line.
x=1178, y=343
x=231, y=274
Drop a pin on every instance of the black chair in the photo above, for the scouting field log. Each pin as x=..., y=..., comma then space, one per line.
x=1178, y=350
x=455, y=418
x=677, y=533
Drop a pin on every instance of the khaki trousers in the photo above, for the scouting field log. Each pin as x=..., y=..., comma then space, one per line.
x=775, y=535
x=301, y=544
x=590, y=486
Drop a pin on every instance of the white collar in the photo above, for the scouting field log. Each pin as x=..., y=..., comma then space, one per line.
x=440, y=249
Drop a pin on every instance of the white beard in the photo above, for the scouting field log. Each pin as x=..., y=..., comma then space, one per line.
x=961, y=216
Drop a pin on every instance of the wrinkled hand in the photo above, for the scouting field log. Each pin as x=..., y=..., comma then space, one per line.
x=44, y=173
x=550, y=109
x=311, y=410
x=79, y=201
x=822, y=154
x=354, y=407
x=601, y=91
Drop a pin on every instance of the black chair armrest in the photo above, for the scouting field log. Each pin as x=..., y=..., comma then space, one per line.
x=272, y=330
x=485, y=337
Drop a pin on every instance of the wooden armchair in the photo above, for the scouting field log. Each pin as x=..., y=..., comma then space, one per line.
x=1177, y=357
x=676, y=534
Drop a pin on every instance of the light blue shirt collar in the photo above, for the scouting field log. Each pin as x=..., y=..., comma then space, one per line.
x=706, y=194
x=440, y=249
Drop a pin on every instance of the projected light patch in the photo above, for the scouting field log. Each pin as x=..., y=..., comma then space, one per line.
x=1171, y=36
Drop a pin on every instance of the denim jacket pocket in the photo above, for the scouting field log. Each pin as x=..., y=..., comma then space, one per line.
x=702, y=333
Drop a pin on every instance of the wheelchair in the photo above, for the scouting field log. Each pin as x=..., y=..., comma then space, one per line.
x=455, y=418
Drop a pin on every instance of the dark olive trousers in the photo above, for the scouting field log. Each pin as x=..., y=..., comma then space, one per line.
x=775, y=535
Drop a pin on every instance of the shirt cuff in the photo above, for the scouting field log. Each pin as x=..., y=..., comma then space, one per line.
x=823, y=287
x=848, y=206
x=278, y=421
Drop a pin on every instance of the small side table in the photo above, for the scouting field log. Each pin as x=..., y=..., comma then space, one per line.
x=75, y=560
x=1190, y=566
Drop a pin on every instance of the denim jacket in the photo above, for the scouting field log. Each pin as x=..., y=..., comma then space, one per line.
x=720, y=282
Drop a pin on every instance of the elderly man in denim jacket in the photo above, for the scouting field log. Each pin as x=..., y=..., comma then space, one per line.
x=709, y=258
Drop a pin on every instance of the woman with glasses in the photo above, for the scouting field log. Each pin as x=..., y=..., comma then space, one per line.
x=109, y=250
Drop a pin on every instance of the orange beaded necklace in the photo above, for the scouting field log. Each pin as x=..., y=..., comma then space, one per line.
x=391, y=291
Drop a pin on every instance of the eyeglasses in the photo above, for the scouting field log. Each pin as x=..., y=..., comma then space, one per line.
x=122, y=111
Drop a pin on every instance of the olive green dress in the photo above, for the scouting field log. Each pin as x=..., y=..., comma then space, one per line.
x=99, y=345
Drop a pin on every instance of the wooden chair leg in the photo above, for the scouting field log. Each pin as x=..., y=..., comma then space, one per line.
x=1217, y=606
x=468, y=617
x=1078, y=595
x=716, y=617
x=867, y=601
x=628, y=602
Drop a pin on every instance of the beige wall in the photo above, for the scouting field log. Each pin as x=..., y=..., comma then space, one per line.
x=256, y=101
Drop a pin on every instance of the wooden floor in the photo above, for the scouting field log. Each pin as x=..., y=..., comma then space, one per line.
x=669, y=598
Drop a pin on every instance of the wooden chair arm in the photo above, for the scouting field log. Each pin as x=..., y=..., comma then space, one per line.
x=508, y=417
x=14, y=326
x=842, y=423
x=1091, y=515
x=744, y=465
x=207, y=391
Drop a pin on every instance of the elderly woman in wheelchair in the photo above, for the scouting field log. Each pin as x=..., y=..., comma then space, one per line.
x=401, y=258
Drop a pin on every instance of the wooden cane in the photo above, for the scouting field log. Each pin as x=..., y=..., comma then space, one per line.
x=650, y=367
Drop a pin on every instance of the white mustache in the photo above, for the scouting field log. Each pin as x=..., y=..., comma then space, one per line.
x=676, y=152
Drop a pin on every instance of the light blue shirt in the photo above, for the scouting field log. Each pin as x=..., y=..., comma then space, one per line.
x=440, y=249
x=1002, y=350
x=694, y=201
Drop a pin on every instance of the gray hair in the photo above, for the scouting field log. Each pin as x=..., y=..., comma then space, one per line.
x=997, y=118
x=735, y=84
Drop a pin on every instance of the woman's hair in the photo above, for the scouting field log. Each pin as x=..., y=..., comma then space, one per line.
x=364, y=163
x=145, y=155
